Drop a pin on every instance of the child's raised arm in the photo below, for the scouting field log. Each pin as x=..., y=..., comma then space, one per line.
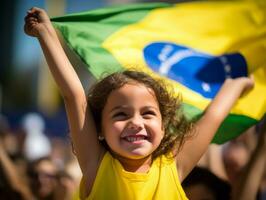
x=209, y=123
x=82, y=127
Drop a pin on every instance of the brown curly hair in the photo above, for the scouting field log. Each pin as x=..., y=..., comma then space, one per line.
x=175, y=124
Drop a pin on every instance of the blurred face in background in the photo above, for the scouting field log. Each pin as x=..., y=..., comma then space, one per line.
x=44, y=178
x=236, y=153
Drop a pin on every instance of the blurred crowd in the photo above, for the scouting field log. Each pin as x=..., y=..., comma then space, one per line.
x=235, y=170
x=35, y=166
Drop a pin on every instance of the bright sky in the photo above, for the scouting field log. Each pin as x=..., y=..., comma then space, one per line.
x=26, y=50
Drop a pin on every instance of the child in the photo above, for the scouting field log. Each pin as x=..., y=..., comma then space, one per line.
x=124, y=132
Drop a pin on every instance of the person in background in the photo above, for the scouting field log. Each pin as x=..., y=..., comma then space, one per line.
x=36, y=144
x=13, y=185
x=43, y=178
x=202, y=184
x=241, y=162
x=251, y=176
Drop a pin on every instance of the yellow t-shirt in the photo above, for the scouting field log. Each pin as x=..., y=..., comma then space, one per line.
x=114, y=183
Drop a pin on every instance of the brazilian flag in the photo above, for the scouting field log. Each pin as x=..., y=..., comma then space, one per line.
x=195, y=46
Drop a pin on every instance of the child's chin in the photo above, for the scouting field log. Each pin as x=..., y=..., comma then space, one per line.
x=136, y=155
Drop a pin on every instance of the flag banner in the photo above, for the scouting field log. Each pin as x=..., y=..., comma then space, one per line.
x=194, y=46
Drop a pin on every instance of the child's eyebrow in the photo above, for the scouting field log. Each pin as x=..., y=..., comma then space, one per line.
x=124, y=107
x=118, y=108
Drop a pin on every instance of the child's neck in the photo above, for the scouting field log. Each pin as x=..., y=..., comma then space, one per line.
x=136, y=165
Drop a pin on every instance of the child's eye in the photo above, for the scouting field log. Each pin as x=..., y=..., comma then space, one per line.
x=120, y=115
x=149, y=113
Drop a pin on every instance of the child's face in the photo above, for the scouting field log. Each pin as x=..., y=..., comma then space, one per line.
x=132, y=122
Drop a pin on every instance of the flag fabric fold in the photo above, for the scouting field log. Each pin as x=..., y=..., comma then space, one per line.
x=194, y=46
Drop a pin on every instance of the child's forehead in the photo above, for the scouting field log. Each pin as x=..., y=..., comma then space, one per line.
x=131, y=87
x=129, y=93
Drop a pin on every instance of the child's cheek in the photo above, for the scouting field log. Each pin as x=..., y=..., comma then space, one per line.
x=118, y=126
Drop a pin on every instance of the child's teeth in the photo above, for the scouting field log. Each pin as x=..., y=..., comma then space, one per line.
x=133, y=139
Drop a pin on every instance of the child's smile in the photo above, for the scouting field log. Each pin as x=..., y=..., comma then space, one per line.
x=132, y=122
x=135, y=139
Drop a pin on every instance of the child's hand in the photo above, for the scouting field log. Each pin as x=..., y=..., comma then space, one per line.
x=246, y=83
x=35, y=21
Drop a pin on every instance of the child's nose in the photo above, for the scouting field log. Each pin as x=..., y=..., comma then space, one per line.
x=136, y=123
